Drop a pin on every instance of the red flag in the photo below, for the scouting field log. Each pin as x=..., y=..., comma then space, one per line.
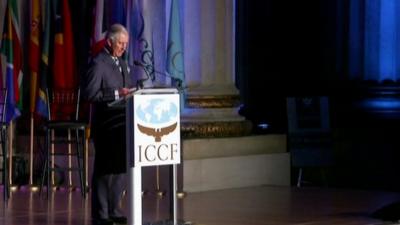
x=64, y=67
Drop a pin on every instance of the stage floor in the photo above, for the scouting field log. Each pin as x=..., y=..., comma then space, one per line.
x=266, y=205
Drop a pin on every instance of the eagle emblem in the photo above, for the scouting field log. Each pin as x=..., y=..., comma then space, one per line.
x=157, y=133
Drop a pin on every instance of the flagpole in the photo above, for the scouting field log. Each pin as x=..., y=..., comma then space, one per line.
x=10, y=150
x=31, y=153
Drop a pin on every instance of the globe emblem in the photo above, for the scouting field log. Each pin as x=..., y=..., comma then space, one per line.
x=157, y=112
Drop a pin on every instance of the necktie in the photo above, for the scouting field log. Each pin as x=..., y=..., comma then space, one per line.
x=117, y=63
x=120, y=69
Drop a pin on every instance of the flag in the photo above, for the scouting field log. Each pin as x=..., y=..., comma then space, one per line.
x=34, y=50
x=11, y=49
x=142, y=23
x=41, y=96
x=116, y=12
x=64, y=66
x=97, y=41
x=175, y=65
x=106, y=13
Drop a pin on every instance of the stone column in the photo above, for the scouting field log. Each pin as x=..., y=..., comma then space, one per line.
x=209, y=47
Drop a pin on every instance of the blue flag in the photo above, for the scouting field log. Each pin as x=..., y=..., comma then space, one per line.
x=175, y=65
x=146, y=26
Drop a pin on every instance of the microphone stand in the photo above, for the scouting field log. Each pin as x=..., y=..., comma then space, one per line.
x=148, y=69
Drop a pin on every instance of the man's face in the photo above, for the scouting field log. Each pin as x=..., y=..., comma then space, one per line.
x=120, y=44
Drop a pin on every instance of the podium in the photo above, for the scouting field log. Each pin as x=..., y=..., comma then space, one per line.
x=152, y=139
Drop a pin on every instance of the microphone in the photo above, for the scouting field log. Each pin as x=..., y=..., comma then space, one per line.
x=177, y=81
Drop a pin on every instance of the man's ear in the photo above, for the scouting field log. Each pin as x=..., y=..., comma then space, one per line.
x=108, y=42
x=109, y=45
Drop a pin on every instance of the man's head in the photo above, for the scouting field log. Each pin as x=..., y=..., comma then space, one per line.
x=117, y=39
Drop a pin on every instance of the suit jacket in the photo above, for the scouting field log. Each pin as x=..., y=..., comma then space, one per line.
x=101, y=81
x=103, y=78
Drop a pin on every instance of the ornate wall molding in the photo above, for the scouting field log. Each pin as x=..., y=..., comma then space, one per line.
x=213, y=101
x=215, y=129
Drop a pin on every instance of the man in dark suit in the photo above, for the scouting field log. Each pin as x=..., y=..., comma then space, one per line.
x=107, y=79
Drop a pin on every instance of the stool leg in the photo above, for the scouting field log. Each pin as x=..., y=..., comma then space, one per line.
x=10, y=155
x=3, y=169
x=43, y=174
x=49, y=162
x=44, y=170
x=86, y=161
x=69, y=159
x=79, y=157
x=84, y=178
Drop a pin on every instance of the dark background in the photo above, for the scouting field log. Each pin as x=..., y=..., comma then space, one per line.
x=299, y=48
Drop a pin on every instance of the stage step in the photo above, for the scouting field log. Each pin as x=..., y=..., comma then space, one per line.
x=222, y=163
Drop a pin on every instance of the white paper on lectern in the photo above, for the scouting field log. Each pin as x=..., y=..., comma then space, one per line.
x=157, y=91
x=122, y=100
x=156, y=128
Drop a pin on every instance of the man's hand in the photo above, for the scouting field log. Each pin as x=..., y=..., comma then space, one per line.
x=123, y=92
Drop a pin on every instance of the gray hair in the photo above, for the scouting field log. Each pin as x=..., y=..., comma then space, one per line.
x=114, y=31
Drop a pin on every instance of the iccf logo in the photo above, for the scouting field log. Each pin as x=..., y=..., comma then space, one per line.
x=157, y=118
